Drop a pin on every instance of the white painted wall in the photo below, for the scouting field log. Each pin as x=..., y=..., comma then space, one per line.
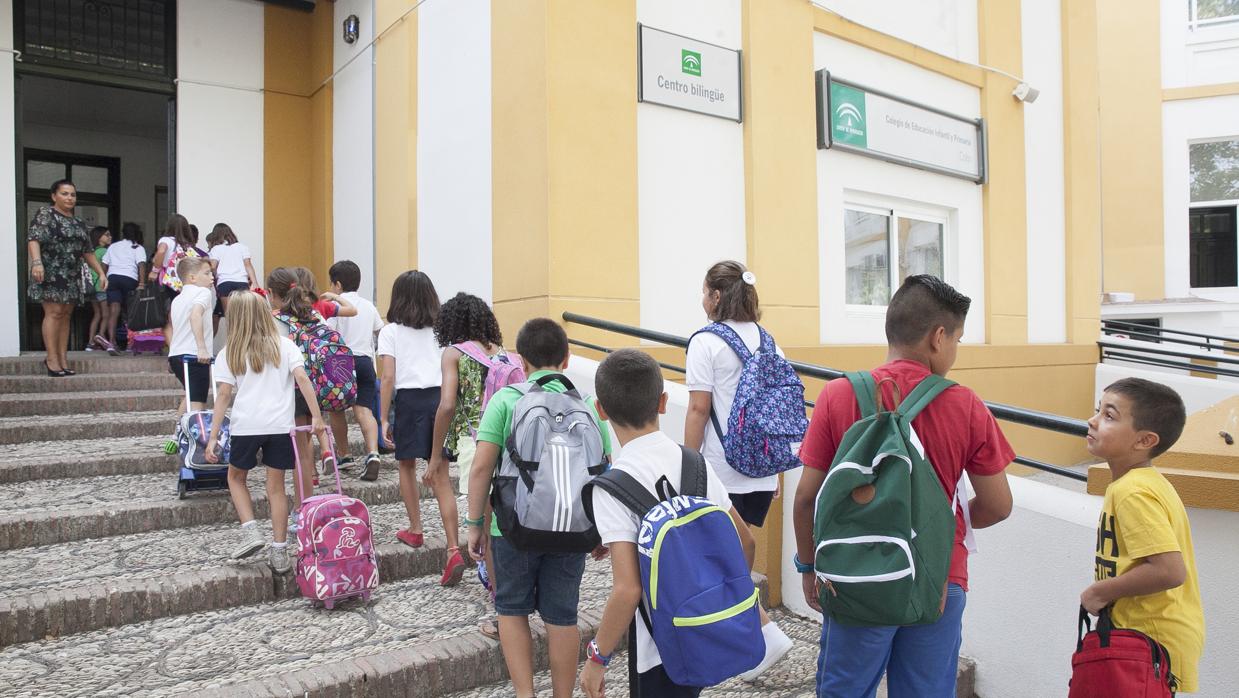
x=9, y=327
x=220, y=54
x=1185, y=122
x=848, y=178
x=352, y=142
x=454, y=146
x=1204, y=56
x=946, y=26
x=1044, y=173
x=690, y=180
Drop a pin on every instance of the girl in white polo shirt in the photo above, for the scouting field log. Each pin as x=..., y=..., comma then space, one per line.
x=125, y=262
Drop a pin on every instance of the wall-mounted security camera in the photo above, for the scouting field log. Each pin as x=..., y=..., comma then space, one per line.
x=1025, y=93
x=352, y=29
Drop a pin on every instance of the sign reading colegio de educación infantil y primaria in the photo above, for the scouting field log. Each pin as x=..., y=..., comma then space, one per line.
x=868, y=122
x=684, y=73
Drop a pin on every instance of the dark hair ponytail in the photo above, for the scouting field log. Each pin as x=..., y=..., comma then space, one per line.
x=737, y=298
x=133, y=233
x=179, y=230
x=299, y=297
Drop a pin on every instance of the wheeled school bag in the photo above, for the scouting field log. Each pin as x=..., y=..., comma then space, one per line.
x=1112, y=662
x=146, y=341
x=553, y=448
x=502, y=370
x=145, y=310
x=698, y=599
x=883, y=529
x=328, y=362
x=336, y=559
x=767, y=420
x=193, y=430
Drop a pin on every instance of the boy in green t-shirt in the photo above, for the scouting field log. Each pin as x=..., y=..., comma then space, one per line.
x=1145, y=566
x=525, y=581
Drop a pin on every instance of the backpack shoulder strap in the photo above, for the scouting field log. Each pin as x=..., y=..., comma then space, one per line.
x=863, y=386
x=729, y=336
x=924, y=393
x=766, y=341
x=472, y=351
x=693, y=479
x=624, y=488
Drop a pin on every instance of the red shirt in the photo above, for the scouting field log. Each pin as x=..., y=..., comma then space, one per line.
x=328, y=309
x=957, y=429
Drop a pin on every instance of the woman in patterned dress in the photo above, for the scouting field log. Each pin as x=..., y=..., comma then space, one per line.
x=59, y=243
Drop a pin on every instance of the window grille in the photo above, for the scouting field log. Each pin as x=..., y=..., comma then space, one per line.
x=135, y=38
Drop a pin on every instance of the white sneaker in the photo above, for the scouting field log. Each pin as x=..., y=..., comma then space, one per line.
x=253, y=542
x=777, y=645
x=281, y=563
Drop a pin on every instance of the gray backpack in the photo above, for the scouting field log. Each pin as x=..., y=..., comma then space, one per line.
x=554, y=447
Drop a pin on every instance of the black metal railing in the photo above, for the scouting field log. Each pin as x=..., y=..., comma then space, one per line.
x=1215, y=355
x=1010, y=413
x=1132, y=329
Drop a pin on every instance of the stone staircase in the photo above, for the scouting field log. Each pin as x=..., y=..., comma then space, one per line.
x=110, y=585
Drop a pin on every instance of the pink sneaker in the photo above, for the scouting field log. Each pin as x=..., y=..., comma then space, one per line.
x=454, y=569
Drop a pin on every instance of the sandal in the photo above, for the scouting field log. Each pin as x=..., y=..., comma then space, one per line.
x=411, y=539
x=489, y=627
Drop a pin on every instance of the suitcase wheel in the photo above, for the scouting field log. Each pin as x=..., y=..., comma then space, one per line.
x=182, y=489
x=329, y=603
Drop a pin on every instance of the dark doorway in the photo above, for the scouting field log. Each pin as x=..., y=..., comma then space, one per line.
x=1214, y=259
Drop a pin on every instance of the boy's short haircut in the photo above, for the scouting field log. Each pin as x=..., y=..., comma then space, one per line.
x=1154, y=407
x=542, y=343
x=347, y=274
x=921, y=305
x=189, y=266
x=628, y=385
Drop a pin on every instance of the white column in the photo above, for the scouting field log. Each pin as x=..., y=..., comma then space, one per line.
x=1044, y=173
x=219, y=114
x=690, y=180
x=9, y=302
x=454, y=146
x=352, y=142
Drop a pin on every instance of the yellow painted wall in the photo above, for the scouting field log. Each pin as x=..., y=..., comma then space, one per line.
x=1129, y=87
x=297, y=139
x=395, y=155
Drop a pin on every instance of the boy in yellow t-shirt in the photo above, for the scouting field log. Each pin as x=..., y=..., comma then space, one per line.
x=1145, y=563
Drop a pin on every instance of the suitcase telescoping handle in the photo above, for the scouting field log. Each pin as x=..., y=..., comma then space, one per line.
x=331, y=441
x=186, y=360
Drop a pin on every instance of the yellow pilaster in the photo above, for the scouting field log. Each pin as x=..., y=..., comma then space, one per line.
x=395, y=158
x=564, y=160
x=1003, y=197
x=1129, y=66
x=1082, y=173
x=780, y=167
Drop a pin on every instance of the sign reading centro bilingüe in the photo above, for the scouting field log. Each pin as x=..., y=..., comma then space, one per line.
x=684, y=73
x=869, y=122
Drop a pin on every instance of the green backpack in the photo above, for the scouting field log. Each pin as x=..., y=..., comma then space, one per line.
x=883, y=528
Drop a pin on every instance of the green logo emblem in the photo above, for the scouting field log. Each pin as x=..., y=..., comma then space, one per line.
x=690, y=62
x=847, y=117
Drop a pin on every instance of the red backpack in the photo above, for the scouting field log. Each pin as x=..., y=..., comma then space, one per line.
x=1112, y=662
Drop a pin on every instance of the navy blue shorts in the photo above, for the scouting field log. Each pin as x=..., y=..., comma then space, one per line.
x=199, y=376
x=119, y=288
x=753, y=506
x=549, y=583
x=367, y=382
x=225, y=289
x=415, y=422
x=277, y=451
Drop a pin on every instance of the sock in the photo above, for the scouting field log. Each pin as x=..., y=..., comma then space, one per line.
x=253, y=523
x=277, y=545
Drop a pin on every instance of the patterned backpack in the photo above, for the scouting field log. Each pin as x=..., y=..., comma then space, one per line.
x=328, y=362
x=502, y=370
x=169, y=276
x=767, y=420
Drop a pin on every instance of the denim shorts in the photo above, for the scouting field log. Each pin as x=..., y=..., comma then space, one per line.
x=549, y=583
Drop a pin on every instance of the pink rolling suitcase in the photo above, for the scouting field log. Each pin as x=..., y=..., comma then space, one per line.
x=146, y=341
x=336, y=559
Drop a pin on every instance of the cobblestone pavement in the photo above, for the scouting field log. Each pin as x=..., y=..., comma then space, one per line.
x=203, y=650
x=793, y=677
x=53, y=451
x=160, y=554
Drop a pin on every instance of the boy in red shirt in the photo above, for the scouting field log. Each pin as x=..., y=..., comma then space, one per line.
x=924, y=322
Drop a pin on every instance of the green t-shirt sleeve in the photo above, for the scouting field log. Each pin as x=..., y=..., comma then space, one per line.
x=602, y=426
x=498, y=416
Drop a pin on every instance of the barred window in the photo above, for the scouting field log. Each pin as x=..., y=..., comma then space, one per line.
x=127, y=37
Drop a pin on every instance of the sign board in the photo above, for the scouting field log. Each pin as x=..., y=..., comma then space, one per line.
x=683, y=73
x=865, y=121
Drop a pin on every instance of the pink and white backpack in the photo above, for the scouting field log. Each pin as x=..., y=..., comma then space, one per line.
x=502, y=370
x=336, y=559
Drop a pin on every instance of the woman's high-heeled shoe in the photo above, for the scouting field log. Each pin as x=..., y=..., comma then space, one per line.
x=51, y=373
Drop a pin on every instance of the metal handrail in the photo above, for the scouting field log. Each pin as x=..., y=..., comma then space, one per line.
x=1010, y=413
x=1164, y=330
x=1168, y=363
x=1160, y=338
x=1166, y=352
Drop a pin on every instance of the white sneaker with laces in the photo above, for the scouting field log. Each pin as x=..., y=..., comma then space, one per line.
x=777, y=645
x=281, y=562
x=252, y=543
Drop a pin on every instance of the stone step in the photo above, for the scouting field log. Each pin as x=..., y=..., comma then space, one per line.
x=28, y=405
x=414, y=638
x=132, y=455
x=74, y=427
x=89, y=382
x=67, y=588
x=46, y=512
x=84, y=362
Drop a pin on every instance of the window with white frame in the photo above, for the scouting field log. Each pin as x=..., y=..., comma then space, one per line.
x=884, y=246
x=1207, y=13
x=1212, y=235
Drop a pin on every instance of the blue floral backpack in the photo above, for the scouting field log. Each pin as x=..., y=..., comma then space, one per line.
x=767, y=420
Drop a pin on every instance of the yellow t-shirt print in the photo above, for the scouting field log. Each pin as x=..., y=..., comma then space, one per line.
x=1142, y=515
